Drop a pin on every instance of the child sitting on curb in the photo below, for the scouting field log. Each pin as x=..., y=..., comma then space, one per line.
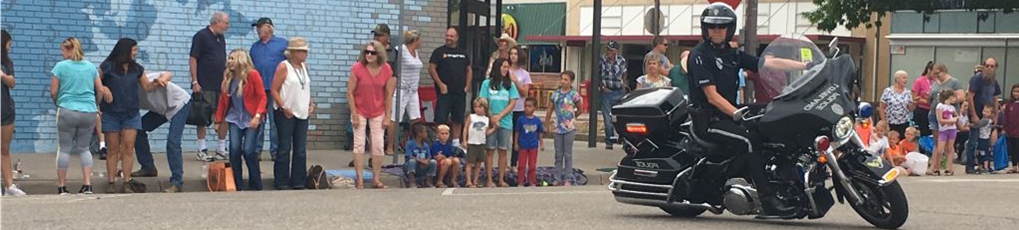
x=419, y=158
x=447, y=157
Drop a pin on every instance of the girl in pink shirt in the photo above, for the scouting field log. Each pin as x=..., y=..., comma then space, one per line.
x=370, y=81
x=922, y=88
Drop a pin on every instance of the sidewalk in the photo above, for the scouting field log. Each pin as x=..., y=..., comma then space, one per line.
x=43, y=178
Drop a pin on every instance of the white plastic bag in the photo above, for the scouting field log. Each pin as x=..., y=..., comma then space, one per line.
x=916, y=163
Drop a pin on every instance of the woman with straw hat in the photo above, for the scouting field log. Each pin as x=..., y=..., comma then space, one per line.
x=291, y=90
x=505, y=44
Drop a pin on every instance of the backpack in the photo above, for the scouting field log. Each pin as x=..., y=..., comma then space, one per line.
x=317, y=178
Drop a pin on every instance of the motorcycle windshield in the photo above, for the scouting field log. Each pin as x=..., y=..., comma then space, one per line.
x=777, y=81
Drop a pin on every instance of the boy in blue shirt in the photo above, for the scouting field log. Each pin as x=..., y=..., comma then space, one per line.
x=419, y=158
x=447, y=156
x=529, y=129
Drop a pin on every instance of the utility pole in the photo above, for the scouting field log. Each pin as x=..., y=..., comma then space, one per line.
x=595, y=90
x=657, y=27
x=750, y=28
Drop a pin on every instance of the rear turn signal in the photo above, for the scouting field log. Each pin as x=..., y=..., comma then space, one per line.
x=636, y=128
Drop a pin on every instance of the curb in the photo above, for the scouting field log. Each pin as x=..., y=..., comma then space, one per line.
x=154, y=184
x=157, y=184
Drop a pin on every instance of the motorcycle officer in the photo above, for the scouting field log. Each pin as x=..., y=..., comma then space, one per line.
x=713, y=67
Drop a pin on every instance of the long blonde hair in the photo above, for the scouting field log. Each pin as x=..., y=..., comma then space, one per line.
x=72, y=43
x=244, y=66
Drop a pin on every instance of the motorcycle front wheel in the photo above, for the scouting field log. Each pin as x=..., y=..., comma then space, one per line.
x=684, y=211
x=884, y=207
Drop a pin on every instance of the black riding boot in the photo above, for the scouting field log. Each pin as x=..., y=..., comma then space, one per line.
x=771, y=206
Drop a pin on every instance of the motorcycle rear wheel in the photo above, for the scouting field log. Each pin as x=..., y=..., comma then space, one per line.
x=684, y=211
x=884, y=207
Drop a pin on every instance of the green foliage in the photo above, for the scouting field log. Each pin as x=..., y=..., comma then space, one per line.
x=852, y=13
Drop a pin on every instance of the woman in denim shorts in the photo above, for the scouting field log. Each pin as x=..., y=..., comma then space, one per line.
x=121, y=118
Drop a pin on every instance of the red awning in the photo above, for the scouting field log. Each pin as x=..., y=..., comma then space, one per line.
x=581, y=40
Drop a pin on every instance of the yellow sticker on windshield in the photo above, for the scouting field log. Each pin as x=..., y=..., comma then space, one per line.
x=806, y=55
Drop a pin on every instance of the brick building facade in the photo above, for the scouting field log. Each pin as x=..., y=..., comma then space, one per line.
x=334, y=29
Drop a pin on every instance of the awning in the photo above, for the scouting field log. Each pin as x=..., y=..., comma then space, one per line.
x=582, y=40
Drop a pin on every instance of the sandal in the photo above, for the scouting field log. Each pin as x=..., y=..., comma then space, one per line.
x=359, y=185
x=379, y=185
x=949, y=173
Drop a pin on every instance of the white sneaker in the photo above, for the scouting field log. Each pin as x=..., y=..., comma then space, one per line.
x=221, y=155
x=203, y=155
x=15, y=191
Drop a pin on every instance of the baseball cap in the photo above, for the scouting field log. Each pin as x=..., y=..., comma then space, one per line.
x=612, y=45
x=262, y=21
x=382, y=28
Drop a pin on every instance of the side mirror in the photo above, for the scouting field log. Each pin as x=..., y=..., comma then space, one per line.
x=833, y=47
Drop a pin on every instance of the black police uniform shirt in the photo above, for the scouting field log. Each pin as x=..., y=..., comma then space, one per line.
x=708, y=66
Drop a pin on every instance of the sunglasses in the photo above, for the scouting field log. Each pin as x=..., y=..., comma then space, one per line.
x=371, y=52
x=715, y=26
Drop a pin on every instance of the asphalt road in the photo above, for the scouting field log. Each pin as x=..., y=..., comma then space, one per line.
x=984, y=202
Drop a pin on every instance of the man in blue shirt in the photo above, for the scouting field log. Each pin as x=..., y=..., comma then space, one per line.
x=207, y=62
x=266, y=54
x=983, y=91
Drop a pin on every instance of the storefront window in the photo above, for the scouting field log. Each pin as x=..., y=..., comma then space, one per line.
x=958, y=22
x=1006, y=23
x=1011, y=74
x=906, y=21
x=960, y=61
x=913, y=60
x=545, y=58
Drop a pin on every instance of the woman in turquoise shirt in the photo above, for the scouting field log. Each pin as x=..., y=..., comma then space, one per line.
x=74, y=88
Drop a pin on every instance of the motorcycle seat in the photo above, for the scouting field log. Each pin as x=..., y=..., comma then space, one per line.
x=699, y=140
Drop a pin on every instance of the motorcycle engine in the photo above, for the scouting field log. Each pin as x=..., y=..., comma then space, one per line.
x=741, y=199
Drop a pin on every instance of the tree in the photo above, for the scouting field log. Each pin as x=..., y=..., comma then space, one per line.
x=852, y=13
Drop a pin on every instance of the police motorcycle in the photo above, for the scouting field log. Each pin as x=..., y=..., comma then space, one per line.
x=808, y=137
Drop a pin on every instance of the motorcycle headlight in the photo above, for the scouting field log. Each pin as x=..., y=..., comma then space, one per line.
x=844, y=128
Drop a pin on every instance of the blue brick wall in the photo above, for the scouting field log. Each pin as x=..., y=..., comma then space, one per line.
x=335, y=30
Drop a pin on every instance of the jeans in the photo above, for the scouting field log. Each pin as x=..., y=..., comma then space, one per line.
x=515, y=153
x=242, y=145
x=150, y=122
x=970, y=149
x=608, y=100
x=564, y=156
x=294, y=137
x=413, y=166
x=273, y=138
